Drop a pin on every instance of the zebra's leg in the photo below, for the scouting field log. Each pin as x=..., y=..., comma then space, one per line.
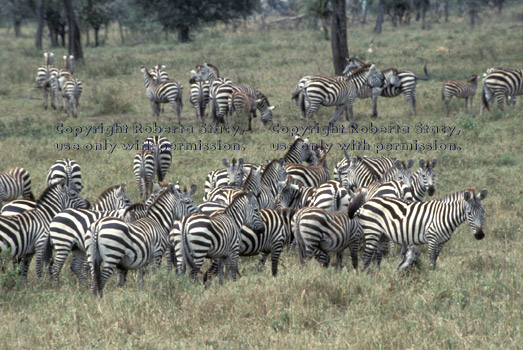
x=121, y=277
x=78, y=263
x=24, y=266
x=275, y=257
x=375, y=93
x=249, y=115
x=44, y=89
x=353, y=248
x=339, y=110
x=371, y=243
x=153, y=107
x=500, y=98
x=220, y=270
x=176, y=110
x=262, y=261
x=212, y=271
x=411, y=100
x=447, y=102
x=169, y=257
x=61, y=255
x=339, y=260
x=233, y=261
x=322, y=257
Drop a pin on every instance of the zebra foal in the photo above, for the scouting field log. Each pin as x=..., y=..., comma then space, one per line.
x=460, y=89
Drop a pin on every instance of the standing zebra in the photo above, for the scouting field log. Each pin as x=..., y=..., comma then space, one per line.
x=219, y=236
x=131, y=246
x=43, y=74
x=143, y=166
x=407, y=223
x=309, y=175
x=501, y=83
x=460, y=89
x=19, y=234
x=14, y=183
x=199, y=98
x=169, y=91
x=161, y=148
x=319, y=232
x=337, y=91
x=423, y=179
x=71, y=91
x=56, y=78
x=158, y=73
x=66, y=169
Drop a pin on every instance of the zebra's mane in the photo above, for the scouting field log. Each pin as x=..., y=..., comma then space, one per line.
x=473, y=78
x=157, y=200
x=457, y=195
x=360, y=70
x=358, y=60
x=395, y=70
x=136, y=206
x=248, y=178
x=46, y=192
x=293, y=146
x=367, y=165
x=108, y=191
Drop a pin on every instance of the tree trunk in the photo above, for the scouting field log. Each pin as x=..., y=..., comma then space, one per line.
x=183, y=34
x=120, y=28
x=53, y=35
x=381, y=15
x=75, y=45
x=16, y=26
x=424, y=7
x=340, y=48
x=96, y=36
x=87, y=38
x=446, y=11
x=40, y=25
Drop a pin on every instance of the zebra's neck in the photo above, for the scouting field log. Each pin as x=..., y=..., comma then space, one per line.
x=51, y=202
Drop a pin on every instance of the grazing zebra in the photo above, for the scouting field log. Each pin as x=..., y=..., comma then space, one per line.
x=460, y=89
x=169, y=91
x=308, y=175
x=131, y=246
x=43, y=74
x=407, y=223
x=299, y=151
x=423, y=179
x=501, y=83
x=14, y=183
x=241, y=102
x=20, y=233
x=67, y=231
x=337, y=91
x=143, y=166
x=219, y=236
x=68, y=170
x=199, y=98
x=161, y=148
x=319, y=232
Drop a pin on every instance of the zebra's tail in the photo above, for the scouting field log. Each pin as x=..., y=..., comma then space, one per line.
x=201, y=99
x=427, y=75
x=96, y=260
x=187, y=253
x=296, y=94
x=484, y=98
x=443, y=93
x=179, y=98
x=357, y=203
x=299, y=239
x=230, y=105
x=47, y=251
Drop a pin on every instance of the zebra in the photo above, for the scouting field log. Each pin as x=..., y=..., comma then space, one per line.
x=67, y=231
x=293, y=196
x=312, y=175
x=17, y=206
x=240, y=102
x=372, y=167
x=143, y=166
x=299, y=151
x=131, y=246
x=501, y=83
x=42, y=76
x=331, y=195
x=204, y=72
x=56, y=78
x=407, y=223
x=219, y=98
x=161, y=148
x=67, y=169
x=219, y=236
x=226, y=194
x=460, y=89
x=169, y=91
x=14, y=183
x=423, y=179
x=158, y=73
x=20, y=233
x=199, y=98
x=319, y=231
x=71, y=91
x=337, y=91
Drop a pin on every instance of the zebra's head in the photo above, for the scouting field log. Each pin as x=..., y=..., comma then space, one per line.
x=348, y=173
x=475, y=212
x=72, y=199
x=400, y=172
x=391, y=77
x=185, y=195
x=123, y=199
x=252, y=211
x=285, y=195
x=427, y=174
x=473, y=79
x=374, y=77
x=235, y=171
x=352, y=64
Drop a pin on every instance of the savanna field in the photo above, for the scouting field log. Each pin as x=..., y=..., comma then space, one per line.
x=471, y=301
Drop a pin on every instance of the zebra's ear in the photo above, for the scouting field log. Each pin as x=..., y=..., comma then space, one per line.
x=281, y=161
x=410, y=163
x=65, y=57
x=422, y=163
x=193, y=189
x=271, y=108
x=240, y=162
x=483, y=194
x=226, y=162
x=346, y=156
x=467, y=195
x=433, y=162
x=398, y=164
x=122, y=187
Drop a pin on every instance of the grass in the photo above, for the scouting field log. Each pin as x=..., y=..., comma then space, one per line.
x=472, y=300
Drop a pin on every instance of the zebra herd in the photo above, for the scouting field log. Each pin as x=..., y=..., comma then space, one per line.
x=219, y=97
x=248, y=209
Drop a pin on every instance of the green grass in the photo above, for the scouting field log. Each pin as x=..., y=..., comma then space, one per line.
x=473, y=299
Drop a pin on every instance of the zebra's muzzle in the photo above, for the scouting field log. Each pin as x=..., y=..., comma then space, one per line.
x=479, y=234
x=431, y=191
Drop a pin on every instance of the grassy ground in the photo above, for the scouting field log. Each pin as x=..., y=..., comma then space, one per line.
x=473, y=299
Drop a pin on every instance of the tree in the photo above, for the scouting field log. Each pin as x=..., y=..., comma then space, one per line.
x=184, y=15
x=321, y=10
x=380, y=17
x=18, y=11
x=339, y=46
x=40, y=24
x=75, y=45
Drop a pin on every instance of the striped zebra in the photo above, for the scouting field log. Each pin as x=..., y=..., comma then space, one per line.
x=14, y=183
x=460, y=89
x=19, y=234
x=158, y=73
x=242, y=103
x=161, y=148
x=71, y=91
x=56, y=79
x=226, y=194
x=43, y=74
x=67, y=231
x=17, y=206
x=501, y=84
x=169, y=91
x=337, y=91
x=219, y=236
x=199, y=98
x=66, y=169
x=204, y=72
x=130, y=246
x=309, y=175
x=331, y=195
x=219, y=98
x=319, y=232
x=414, y=223
x=299, y=151
x=143, y=167
x=423, y=179
x=372, y=167
x=293, y=196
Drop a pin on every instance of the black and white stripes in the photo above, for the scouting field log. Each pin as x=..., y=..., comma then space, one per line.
x=501, y=83
x=460, y=89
